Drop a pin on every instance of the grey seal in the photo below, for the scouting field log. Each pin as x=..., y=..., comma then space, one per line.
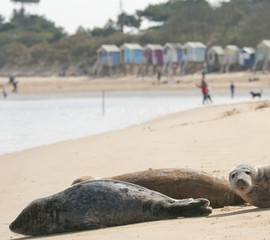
x=182, y=183
x=99, y=204
x=252, y=183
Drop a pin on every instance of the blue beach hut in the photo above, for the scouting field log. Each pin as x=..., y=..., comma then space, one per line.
x=246, y=57
x=109, y=55
x=131, y=53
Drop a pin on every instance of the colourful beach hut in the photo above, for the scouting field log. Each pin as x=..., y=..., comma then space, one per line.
x=215, y=58
x=246, y=57
x=193, y=56
x=172, y=53
x=262, y=55
x=231, y=53
x=131, y=53
x=153, y=54
x=194, y=52
x=109, y=55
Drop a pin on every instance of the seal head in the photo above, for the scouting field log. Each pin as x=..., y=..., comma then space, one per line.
x=241, y=178
x=252, y=183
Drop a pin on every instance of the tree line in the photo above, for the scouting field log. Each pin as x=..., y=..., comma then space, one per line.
x=28, y=39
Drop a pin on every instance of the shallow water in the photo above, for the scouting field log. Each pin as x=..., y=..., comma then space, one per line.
x=29, y=120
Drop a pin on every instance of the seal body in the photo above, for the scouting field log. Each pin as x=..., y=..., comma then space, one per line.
x=182, y=183
x=102, y=203
x=252, y=183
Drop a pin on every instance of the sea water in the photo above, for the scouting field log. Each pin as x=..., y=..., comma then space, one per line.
x=29, y=120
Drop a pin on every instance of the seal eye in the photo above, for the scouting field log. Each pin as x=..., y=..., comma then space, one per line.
x=233, y=175
x=247, y=172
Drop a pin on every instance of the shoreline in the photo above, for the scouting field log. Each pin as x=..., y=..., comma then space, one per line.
x=175, y=104
x=85, y=83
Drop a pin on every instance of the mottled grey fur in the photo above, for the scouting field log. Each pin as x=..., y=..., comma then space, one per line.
x=102, y=203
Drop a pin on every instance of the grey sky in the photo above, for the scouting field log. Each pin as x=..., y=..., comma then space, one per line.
x=70, y=14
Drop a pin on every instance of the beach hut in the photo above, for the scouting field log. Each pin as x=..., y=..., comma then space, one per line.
x=215, y=58
x=172, y=56
x=131, y=53
x=153, y=54
x=131, y=57
x=246, y=57
x=109, y=54
x=152, y=57
x=108, y=57
x=193, y=56
x=172, y=52
x=231, y=53
x=262, y=55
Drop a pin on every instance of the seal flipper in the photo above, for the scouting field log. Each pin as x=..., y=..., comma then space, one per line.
x=190, y=208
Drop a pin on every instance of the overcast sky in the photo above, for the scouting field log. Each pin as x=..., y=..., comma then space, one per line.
x=70, y=14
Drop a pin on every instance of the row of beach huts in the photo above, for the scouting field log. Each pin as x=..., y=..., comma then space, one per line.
x=178, y=58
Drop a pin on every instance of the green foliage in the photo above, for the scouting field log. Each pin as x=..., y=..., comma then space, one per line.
x=108, y=29
x=30, y=39
x=14, y=53
x=128, y=20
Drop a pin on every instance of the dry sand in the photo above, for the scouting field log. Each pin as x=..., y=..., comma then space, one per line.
x=65, y=84
x=212, y=139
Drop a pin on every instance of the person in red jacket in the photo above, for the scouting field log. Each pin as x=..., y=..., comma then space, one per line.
x=205, y=91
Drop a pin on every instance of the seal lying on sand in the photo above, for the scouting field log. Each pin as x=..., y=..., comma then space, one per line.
x=102, y=203
x=252, y=183
x=182, y=183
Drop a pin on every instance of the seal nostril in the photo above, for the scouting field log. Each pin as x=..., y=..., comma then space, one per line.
x=240, y=181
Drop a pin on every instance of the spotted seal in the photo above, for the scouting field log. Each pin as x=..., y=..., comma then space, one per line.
x=102, y=203
x=252, y=183
x=182, y=183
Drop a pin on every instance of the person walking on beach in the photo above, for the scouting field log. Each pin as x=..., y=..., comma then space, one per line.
x=158, y=75
x=14, y=83
x=232, y=87
x=205, y=91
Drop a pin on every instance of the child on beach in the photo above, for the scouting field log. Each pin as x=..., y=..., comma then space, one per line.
x=205, y=91
x=4, y=91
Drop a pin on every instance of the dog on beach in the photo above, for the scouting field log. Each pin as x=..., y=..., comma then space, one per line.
x=256, y=94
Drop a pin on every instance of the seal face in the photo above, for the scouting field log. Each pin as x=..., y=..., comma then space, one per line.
x=252, y=183
x=182, y=183
x=102, y=203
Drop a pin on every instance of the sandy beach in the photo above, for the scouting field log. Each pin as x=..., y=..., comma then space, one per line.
x=131, y=82
x=212, y=139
